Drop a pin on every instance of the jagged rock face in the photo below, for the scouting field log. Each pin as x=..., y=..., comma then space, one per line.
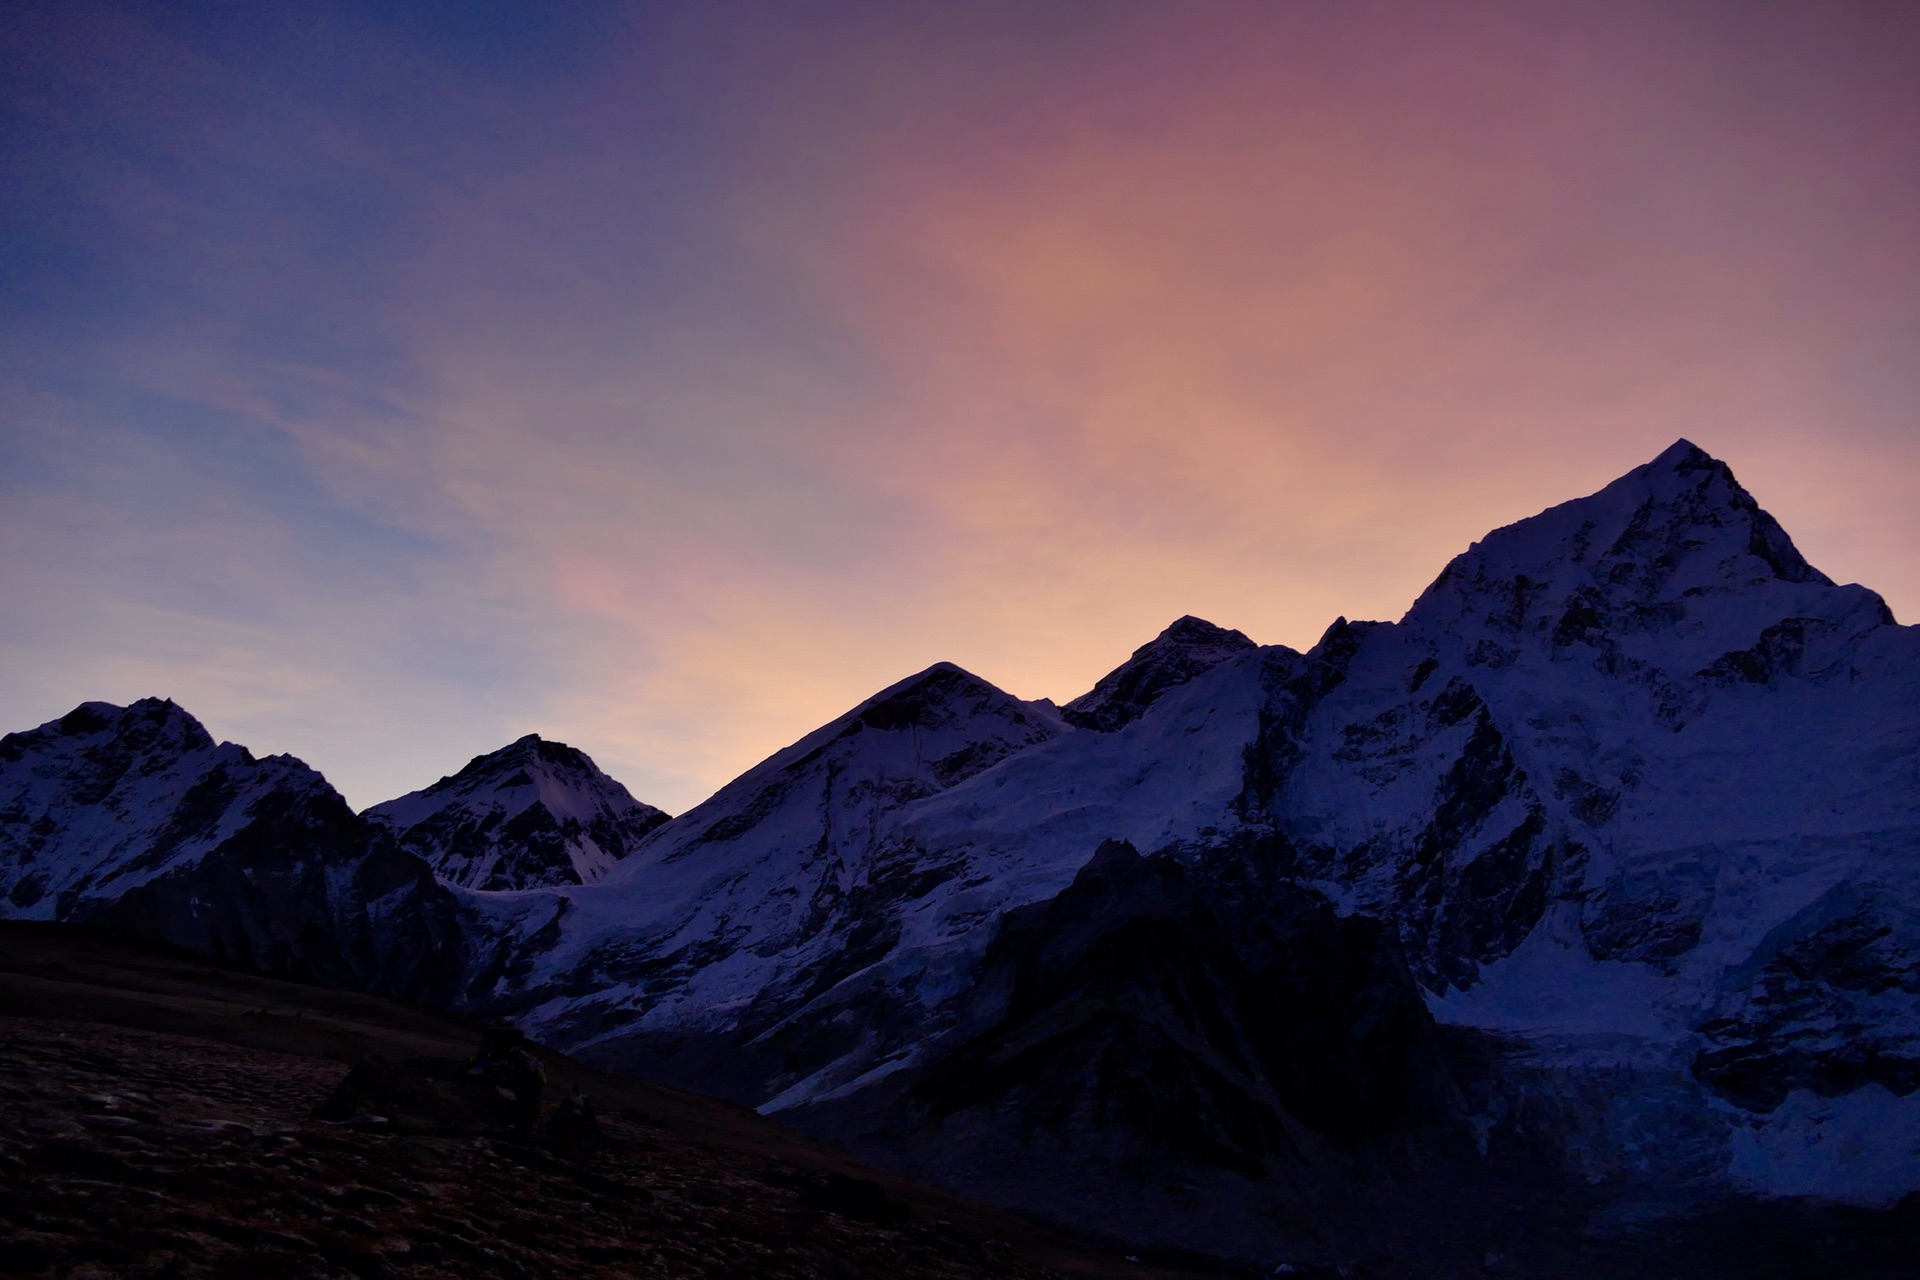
x=1415, y=811
x=532, y=813
x=1562, y=708
x=133, y=818
x=101, y=799
x=1834, y=1008
x=1207, y=1020
x=1175, y=656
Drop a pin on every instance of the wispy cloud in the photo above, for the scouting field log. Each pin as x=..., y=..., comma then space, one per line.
x=667, y=381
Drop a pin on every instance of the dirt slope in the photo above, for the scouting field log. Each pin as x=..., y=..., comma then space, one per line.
x=157, y=1123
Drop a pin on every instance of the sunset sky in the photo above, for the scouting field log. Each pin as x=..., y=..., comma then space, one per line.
x=383, y=382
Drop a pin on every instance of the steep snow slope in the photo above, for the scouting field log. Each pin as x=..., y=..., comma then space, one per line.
x=532, y=813
x=830, y=903
x=133, y=818
x=785, y=881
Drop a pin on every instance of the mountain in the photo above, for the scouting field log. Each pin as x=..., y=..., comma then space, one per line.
x=1631, y=790
x=1586, y=888
x=134, y=819
x=777, y=895
x=1187, y=1051
x=532, y=813
x=1633, y=781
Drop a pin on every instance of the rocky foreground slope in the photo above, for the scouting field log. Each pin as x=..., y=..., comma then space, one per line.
x=1595, y=872
x=159, y=1123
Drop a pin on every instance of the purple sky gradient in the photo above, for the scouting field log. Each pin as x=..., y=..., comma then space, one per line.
x=383, y=383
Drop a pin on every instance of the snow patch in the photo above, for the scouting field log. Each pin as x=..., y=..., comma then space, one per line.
x=1552, y=986
x=1860, y=1148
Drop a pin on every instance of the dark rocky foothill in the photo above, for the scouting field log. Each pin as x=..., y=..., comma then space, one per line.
x=158, y=1127
x=860, y=1199
x=446, y=1097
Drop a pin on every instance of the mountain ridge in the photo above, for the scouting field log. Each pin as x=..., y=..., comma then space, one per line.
x=134, y=818
x=1630, y=795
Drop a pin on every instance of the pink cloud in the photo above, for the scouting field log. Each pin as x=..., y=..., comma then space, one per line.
x=737, y=376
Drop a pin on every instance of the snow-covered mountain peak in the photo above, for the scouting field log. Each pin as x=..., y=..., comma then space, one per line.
x=917, y=736
x=1616, y=756
x=133, y=820
x=151, y=725
x=1198, y=634
x=960, y=724
x=534, y=812
x=1674, y=557
x=1178, y=654
x=109, y=798
x=531, y=755
x=941, y=696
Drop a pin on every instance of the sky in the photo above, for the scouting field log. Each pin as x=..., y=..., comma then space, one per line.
x=385, y=381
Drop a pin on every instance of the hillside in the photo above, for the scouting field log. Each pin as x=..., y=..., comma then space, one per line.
x=159, y=1124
